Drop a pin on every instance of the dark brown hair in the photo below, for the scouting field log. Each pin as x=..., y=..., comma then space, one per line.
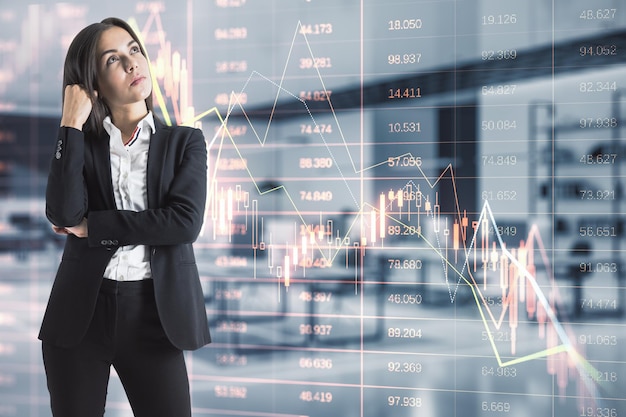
x=81, y=67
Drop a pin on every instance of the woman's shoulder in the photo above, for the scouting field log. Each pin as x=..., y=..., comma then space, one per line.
x=178, y=130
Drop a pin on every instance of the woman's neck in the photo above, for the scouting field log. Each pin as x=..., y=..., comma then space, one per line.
x=126, y=119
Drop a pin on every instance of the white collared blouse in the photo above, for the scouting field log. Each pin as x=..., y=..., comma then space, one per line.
x=128, y=173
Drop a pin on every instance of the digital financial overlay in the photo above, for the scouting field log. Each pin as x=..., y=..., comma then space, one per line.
x=415, y=208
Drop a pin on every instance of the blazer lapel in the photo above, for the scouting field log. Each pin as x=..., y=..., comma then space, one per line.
x=156, y=159
x=101, y=156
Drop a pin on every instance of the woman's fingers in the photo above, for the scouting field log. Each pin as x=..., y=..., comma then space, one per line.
x=77, y=105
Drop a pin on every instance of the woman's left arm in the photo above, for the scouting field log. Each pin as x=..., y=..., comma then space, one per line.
x=180, y=215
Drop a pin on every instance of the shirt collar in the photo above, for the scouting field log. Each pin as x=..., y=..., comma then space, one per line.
x=146, y=121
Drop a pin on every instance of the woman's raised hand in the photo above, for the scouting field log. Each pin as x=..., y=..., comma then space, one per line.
x=77, y=106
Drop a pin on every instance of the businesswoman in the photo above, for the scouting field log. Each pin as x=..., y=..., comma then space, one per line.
x=129, y=193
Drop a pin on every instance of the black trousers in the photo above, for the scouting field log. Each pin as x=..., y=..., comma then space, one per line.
x=125, y=333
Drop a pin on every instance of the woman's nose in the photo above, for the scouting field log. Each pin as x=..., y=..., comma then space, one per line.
x=131, y=64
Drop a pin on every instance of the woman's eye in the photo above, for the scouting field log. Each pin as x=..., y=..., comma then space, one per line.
x=135, y=49
x=111, y=59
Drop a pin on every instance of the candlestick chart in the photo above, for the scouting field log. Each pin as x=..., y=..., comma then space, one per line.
x=470, y=251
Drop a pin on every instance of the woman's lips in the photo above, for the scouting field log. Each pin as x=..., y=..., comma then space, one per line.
x=137, y=80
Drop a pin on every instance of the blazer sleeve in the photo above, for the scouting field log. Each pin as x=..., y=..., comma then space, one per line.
x=66, y=194
x=178, y=218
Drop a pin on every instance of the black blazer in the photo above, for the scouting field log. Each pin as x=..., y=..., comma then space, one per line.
x=80, y=185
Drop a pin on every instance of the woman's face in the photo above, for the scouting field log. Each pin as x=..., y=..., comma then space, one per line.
x=123, y=72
